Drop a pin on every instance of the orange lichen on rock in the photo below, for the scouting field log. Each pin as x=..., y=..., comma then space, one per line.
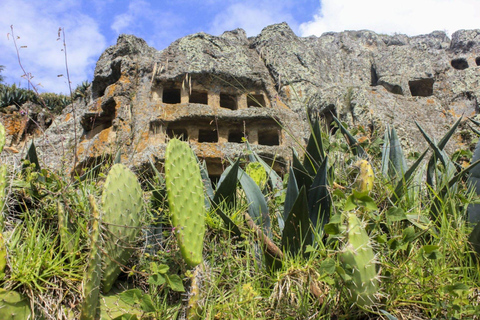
x=430, y=101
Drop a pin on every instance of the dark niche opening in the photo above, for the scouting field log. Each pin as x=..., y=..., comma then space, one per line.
x=373, y=76
x=207, y=135
x=422, y=87
x=178, y=133
x=255, y=100
x=171, y=95
x=268, y=137
x=235, y=136
x=459, y=64
x=199, y=97
x=477, y=61
x=228, y=101
x=392, y=88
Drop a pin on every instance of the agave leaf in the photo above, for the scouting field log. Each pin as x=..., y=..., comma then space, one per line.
x=32, y=156
x=438, y=154
x=443, y=142
x=386, y=152
x=301, y=173
x=226, y=191
x=291, y=195
x=296, y=234
x=474, y=121
x=401, y=184
x=257, y=206
x=352, y=142
x=474, y=238
x=319, y=202
x=397, y=162
x=227, y=185
x=314, y=153
x=118, y=157
x=209, y=195
x=441, y=195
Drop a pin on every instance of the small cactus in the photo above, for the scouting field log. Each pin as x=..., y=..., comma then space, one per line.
x=185, y=200
x=257, y=172
x=122, y=207
x=91, y=280
x=359, y=263
x=364, y=183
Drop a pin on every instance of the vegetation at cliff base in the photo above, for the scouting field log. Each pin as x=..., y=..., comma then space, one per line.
x=352, y=230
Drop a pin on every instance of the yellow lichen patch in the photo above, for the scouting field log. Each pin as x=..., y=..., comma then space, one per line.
x=142, y=142
x=430, y=101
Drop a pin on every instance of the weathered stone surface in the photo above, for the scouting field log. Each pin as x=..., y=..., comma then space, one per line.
x=209, y=88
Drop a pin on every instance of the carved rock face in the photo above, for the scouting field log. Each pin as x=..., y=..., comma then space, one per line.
x=217, y=91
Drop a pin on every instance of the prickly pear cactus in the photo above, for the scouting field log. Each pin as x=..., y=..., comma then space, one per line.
x=365, y=177
x=3, y=254
x=14, y=306
x=359, y=263
x=185, y=199
x=193, y=308
x=122, y=208
x=257, y=172
x=91, y=280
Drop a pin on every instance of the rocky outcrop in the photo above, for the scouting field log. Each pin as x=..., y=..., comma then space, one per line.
x=217, y=91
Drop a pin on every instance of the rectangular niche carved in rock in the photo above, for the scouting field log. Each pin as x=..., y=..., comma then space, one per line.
x=207, y=135
x=269, y=137
x=171, y=95
x=228, y=101
x=180, y=134
x=255, y=100
x=235, y=136
x=422, y=87
x=199, y=97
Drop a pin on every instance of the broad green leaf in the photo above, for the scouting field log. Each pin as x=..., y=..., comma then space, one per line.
x=314, y=153
x=319, y=201
x=328, y=266
x=291, y=195
x=297, y=232
x=408, y=234
x=175, y=283
x=156, y=279
x=257, y=205
x=395, y=214
x=352, y=142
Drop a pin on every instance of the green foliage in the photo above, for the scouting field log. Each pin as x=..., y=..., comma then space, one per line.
x=13, y=95
x=185, y=199
x=122, y=215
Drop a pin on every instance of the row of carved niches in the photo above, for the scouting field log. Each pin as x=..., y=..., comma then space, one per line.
x=462, y=63
x=261, y=131
x=173, y=92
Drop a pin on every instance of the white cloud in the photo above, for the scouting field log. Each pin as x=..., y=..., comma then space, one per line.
x=37, y=26
x=411, y=17
x=252, y=16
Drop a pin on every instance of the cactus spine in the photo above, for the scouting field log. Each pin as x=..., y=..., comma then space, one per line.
x=359, y=263
x=122, y=207
x=185, y=199
x=365, y=177
x=91, y=280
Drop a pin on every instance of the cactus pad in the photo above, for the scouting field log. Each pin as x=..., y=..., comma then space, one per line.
x=185, y=199
x=14, y=306
x=359, y=262
x=365, y=177
x=257, y=172
x=122, y=207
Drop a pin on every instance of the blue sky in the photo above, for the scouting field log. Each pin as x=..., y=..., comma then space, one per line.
x=91, y=26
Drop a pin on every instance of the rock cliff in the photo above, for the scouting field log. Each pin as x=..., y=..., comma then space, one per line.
x=215, y=91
